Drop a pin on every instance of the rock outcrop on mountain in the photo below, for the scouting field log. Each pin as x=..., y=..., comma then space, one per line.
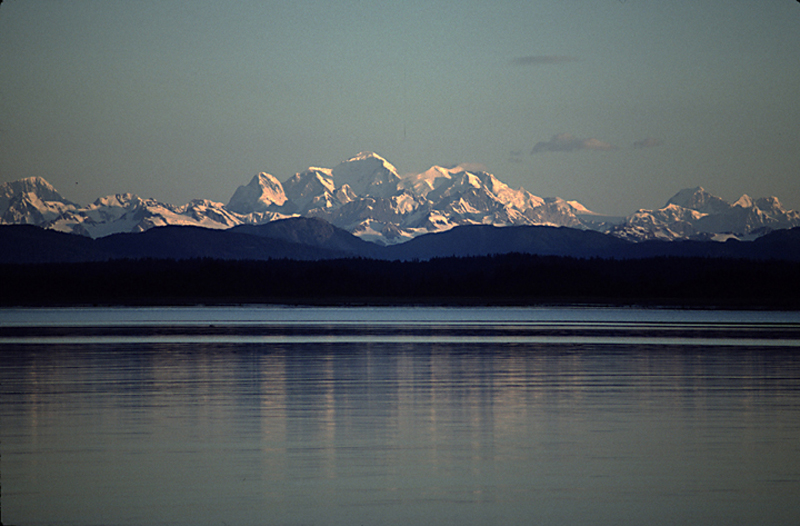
x=367, y=197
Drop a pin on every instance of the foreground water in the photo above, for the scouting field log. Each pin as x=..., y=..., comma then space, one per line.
x=399, y=416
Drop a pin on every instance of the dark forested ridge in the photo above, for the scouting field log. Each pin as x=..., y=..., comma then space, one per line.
x=315, y=239
x=304, y=260
x=504, y=279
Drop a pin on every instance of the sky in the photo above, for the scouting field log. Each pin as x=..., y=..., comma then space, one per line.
x=617, y=104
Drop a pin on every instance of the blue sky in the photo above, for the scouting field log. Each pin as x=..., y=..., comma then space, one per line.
x=615, y=103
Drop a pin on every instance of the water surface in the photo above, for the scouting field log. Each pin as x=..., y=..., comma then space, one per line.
x=399, y=416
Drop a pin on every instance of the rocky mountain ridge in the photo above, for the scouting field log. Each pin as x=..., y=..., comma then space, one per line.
x=367, y=197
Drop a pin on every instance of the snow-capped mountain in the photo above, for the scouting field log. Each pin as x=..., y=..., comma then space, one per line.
x=313, y=191
x=694, y=213
x=129, y=213
x=31, y=201
x=367, y=174
x=34, y=201
x=367, y=197
x=264, y=193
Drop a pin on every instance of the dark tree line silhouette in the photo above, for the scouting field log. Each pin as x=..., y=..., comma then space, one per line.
x=502, y=279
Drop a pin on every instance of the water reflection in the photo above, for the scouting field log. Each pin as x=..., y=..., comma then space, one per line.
x=399, y=433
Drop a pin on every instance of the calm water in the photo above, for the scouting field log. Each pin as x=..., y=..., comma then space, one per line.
x=399, y=416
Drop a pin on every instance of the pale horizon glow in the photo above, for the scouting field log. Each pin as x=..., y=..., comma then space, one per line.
x=616, y=105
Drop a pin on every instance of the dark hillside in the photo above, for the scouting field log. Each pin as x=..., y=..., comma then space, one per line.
x=32, y=244
x=312, y=232
x=487, y=240
x=187, y=242
x=315, y=239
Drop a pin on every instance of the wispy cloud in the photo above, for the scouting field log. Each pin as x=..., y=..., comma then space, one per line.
x=649, y=142
x=566, y=142
x=539, y=60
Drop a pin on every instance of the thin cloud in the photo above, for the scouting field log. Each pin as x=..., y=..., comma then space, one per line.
x=566, y=142
x=539, y=60
x=649, y=142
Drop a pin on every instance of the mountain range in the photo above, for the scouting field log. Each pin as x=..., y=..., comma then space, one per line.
x=361, y=233
x=367, y=197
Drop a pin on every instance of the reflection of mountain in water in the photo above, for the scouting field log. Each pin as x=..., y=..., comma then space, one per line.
x=399, y=430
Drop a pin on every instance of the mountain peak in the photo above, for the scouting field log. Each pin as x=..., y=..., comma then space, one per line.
x=361, y=156
x=686, y=195
x=769, y=203
x=36, y=185
x=262, y=193
x=699, y=199
x=744, y=202
x=31, y=201
x=367, y=174
x=312, y=189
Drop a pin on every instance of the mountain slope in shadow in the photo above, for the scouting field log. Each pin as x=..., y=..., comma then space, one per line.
x=315, y=239
x=312, y=232
x=486, y=240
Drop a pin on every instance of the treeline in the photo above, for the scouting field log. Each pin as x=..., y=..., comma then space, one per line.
x=505, y=279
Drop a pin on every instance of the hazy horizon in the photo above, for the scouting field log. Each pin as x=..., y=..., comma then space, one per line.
x=615, y=104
